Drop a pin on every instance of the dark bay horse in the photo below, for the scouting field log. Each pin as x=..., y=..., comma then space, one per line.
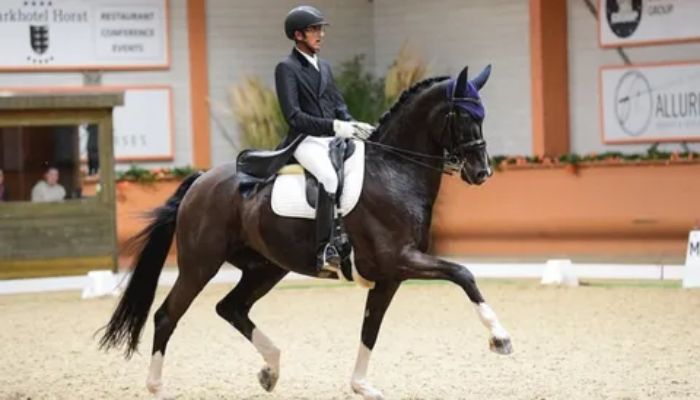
x=389, y=229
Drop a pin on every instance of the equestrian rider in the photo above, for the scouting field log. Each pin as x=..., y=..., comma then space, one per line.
x=313, y=107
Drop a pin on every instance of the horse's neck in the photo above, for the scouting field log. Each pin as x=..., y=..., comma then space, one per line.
x=416, y=130
x=413, y=132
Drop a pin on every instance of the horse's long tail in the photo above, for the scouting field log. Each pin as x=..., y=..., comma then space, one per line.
x=154, y=242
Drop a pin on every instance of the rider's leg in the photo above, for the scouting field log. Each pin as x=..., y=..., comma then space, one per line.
x=327, y=255
x=312, y=154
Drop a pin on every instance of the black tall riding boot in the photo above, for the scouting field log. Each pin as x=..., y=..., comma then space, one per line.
x=327, y=254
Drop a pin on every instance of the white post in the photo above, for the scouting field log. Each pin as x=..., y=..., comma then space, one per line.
x=100, y=283
x=559, y=272
x=691, y=270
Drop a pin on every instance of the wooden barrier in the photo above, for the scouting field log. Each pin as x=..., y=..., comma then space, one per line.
x=634, y=212
x=70, y=236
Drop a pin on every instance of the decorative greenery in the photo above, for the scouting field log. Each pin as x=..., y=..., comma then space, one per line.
x=607, y=158
x=136, y=173
x=258, y=113
x=368, y=96
x=408, y=68
x=139, y=174
x=181, y=172
x=362, y=91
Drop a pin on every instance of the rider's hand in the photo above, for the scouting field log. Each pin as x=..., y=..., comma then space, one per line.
x=363, y=129
x=344, y=129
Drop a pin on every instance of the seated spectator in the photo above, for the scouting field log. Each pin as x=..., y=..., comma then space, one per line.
x=4, y=193
x=49, y=189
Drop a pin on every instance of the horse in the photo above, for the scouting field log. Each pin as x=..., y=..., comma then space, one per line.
x=434, y=124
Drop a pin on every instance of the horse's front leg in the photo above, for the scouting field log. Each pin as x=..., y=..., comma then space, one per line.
x=378, y=300
x=418, y=265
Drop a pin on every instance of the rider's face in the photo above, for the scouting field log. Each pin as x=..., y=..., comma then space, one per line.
x=311, y=38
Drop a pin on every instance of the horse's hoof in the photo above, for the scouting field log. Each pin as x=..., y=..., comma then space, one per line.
x=268, y=378
x=366, y=391
x=500, y=346
x=158, y=391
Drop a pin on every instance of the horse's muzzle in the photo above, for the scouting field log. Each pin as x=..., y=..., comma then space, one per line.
x=476, y=178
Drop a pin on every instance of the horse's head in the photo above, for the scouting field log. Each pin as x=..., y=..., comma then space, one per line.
x=465, y=142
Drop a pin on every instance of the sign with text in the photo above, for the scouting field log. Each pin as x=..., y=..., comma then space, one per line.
x=83, y=34
x=143, y=125
x=691, y=270
x=639, y=22
x=659, y=103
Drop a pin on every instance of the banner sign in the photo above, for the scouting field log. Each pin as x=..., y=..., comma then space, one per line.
x=83, y=34
x=143, y=125
x=639, y=22
x=653, y=103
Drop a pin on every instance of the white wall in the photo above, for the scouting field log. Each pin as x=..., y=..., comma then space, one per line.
x=177, y=76
x=454, y=33
x=585, y=58
x=246, y=37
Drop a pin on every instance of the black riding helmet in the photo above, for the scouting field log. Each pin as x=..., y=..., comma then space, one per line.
x=301, y=18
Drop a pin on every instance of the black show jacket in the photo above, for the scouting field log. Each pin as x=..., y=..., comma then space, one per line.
x=309, y=98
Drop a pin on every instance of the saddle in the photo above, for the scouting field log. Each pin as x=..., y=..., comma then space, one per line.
x=256, y=167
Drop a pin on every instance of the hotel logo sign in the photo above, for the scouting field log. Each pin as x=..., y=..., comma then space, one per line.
x=83, y=34
x=39, y=38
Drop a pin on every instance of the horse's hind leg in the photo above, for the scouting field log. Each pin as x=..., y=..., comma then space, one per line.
x=187, y=286
x=417, y=265
x=259, y=277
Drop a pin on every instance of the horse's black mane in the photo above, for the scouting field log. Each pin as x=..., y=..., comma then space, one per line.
x=407, y=95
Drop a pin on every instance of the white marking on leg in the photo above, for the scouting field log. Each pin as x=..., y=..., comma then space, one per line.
x=269, y=352
x=359, y=382
x=270, y=373
x=154, y=383
x=490, y=320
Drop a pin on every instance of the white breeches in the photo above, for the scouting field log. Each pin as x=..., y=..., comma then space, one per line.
x=312, y=154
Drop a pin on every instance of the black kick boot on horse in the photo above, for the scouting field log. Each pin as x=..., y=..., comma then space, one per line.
x=327, y=256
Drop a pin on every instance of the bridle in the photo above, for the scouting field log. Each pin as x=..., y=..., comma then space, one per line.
x=452, y=160
x=456, y=151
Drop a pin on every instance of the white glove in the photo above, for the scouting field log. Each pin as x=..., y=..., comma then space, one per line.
x=363, y=129
x=343, y=129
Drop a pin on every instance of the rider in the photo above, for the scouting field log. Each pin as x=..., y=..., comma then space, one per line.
x=313, y=107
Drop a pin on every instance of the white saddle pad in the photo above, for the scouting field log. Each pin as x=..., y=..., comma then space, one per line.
x=289, y=190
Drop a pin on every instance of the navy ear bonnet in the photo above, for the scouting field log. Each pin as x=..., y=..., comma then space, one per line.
x=464, y=93
x=468, y=100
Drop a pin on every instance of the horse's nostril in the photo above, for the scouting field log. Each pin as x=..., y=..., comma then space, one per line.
x=481, y=175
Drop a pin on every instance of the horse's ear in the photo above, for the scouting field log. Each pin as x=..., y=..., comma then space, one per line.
x=461, y=85
x=481, y=79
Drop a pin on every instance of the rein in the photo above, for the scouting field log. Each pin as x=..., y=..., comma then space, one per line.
x=409, y=155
